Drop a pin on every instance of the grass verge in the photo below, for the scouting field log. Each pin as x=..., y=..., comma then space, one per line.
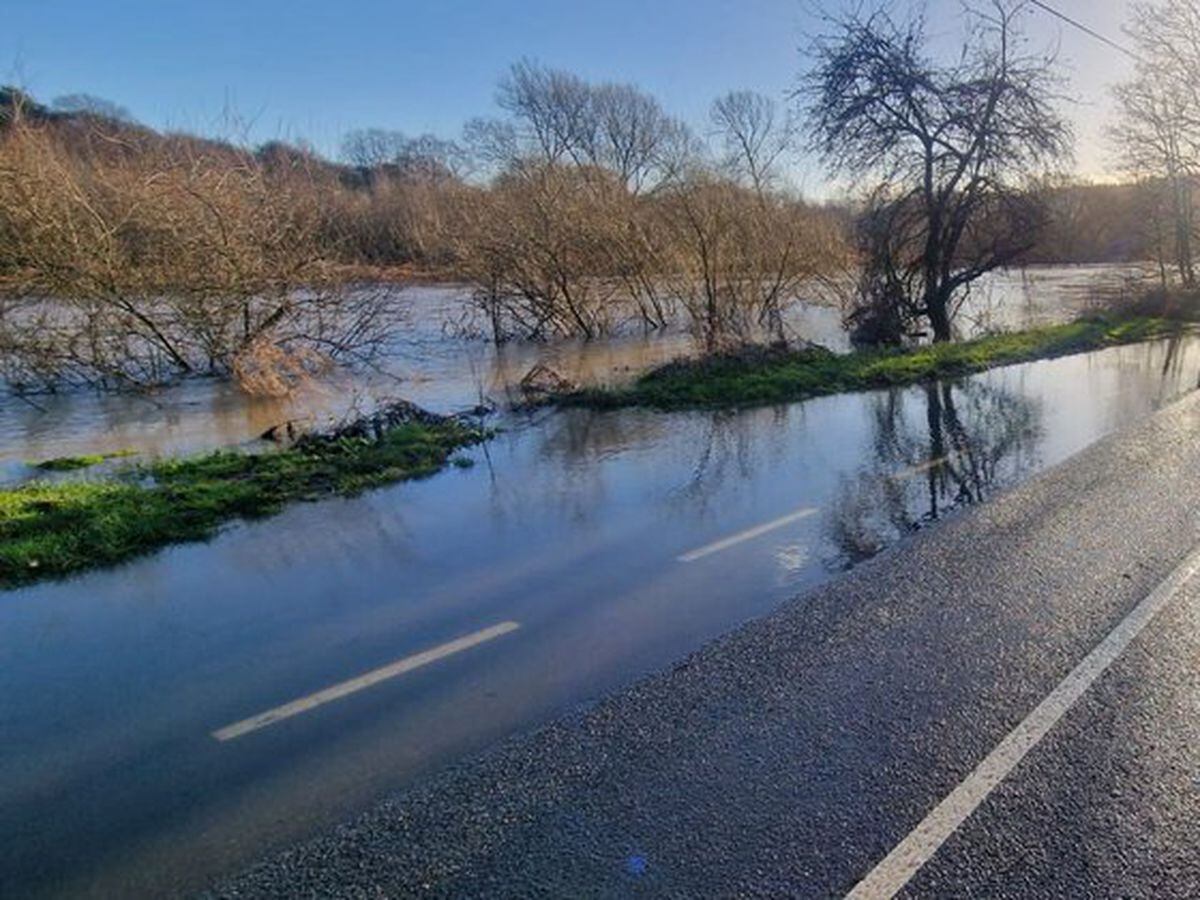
x=54, y=529
x=764, y=376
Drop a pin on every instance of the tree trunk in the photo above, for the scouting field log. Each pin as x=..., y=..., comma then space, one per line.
x=938, y=307
x=1189, y=270
x=1183, y=231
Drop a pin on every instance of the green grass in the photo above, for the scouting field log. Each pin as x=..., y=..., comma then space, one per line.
x=54, y=529
x=74, y=463
x=771, y=376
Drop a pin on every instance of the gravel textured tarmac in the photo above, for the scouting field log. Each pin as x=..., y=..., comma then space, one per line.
x=788, y=757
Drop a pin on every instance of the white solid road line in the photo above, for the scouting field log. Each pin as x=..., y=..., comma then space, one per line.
x=304, y=704
x=899, y=866
x=748, y=535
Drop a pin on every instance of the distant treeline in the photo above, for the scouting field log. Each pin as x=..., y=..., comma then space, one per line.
x=388, y=198
x=1097, y=223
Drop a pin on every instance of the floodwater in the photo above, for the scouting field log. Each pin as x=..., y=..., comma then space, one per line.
x=612, y=542
x=444, y=372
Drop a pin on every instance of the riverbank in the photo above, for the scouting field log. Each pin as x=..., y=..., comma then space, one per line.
x=54, y=528
x=761, y=376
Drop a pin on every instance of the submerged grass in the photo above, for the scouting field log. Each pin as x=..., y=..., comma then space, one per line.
x=768, y=376
x=74, y=463
x=54, y=529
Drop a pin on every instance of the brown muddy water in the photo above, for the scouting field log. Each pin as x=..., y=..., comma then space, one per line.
x=613, y=542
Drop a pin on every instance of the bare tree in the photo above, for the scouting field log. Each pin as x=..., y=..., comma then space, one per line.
x=490, y=144
x=91, y=105
x=552, y=110
x=378, y=151
x=754, y=133
x=1157, y=131
x=369, y=148
x=954, y=144
x=632, y=135
x=430, y=158
x=557, y=117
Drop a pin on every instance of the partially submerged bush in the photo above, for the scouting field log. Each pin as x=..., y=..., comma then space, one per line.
x=736, y=258
x=542, y=249
x=132, y=260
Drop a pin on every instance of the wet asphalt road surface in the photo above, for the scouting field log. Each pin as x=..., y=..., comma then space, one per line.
x=789, y=757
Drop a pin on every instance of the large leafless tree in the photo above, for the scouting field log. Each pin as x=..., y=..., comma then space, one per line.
x=947, y=148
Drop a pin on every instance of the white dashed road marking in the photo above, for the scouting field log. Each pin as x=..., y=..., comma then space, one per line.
x=366, y=680
x=748, y=535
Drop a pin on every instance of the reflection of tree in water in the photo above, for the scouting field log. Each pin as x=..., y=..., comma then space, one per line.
x=1176, y=368
x=576, y=444
x=973, y=438
x=731, y=448
x=579, y=436
x=1137, y=379
x=724, y=447
x=582, y=455
x=571, y=448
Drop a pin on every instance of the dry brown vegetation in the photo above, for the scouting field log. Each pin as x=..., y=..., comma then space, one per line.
x=130, y=259
x=560, y=250
x=604, y=211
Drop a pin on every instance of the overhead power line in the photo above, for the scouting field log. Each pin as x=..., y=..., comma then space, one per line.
x=1075, y=23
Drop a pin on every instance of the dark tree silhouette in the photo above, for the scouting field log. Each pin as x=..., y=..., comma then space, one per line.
x=950, y=150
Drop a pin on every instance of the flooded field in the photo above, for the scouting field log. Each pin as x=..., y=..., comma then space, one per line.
x=607, y=544
x=435, y=366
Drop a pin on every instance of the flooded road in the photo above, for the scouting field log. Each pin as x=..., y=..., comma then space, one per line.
x=171, y=719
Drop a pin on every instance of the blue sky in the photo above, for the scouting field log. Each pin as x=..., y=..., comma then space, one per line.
x=306, y=69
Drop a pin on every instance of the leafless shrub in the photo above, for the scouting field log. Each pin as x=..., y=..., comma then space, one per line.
x=132, y=261
x=755, y=135
x=540, y=249
x=738, y=257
